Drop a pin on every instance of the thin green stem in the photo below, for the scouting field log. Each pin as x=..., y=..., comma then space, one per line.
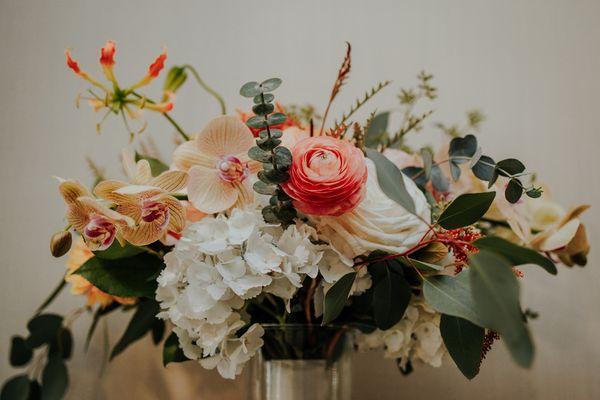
x=52, y=296
x=207, y=88
x=167, y=116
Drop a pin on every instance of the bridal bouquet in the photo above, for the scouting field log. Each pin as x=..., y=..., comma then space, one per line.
x=278, y=216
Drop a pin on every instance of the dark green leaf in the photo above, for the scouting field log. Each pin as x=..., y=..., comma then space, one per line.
x=43, y=329
x=455, y=170
x=266, y=98
x=439, y=180
x=20, y=353
x=336, y=297
x=116, y=251
x=268, y=143
x=463, y=148
x=62, y=345
x=256, y=153
x=514, y=190
x=496, y=296
x=275, y=133
x=452, y=296
x=142, y=321
x=276, y=119
x=466, y=209
x=422, y=265
x=17, y=388
x=55, y=379
x=171, y=351
x=286, y=213
x=269, y=215
x=516, y=254
x=263, y=109
x=534, y=193
x=156, y=166
x=493, y=178
x=464, y=342
x=270, y=84
x=257, y=122
x=416, y=174
x=126, y=277
x=283, y=158
x=250, y=89
x=484, y=168
x=391, y=296
x=377, y=130
x=510, y=166
x=264, y=188
x=391, y=180
x=35, y=391
x=273, y=176
x=158, y=331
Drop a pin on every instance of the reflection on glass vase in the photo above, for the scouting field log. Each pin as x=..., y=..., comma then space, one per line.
x=299, y=361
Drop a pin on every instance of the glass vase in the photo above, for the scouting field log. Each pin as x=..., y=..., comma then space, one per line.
x=301, y=361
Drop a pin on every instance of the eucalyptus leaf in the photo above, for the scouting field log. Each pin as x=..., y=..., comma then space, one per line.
x=462, y=148
x=534, y=193
x=55, y=379
x=258, y=154
x=257, y=122
x=427, y=157
x=377, y=129
x=464, y=341
x=283, y=158
x=270, y=84
x=250, y=89
x=16, y=388
x=141, y=323
x=496, y=296
x=514, y=253
x=62, y=345
x=43, y=329
x=171, y=350
x=391, y=180
x=276, y=119
x=466, y=209
x=439, y=180
x=336, y=296
x=264, y=188
x=510, y=166
x=265, y=98
x=416, y=174
x=422, y=265
x=455, y=170
x=268, y=144
x=484, y=168
x=263, y=109
x=20, y=352
x=514, y=190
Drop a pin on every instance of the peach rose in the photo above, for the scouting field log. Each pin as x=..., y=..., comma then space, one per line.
x=327, y=176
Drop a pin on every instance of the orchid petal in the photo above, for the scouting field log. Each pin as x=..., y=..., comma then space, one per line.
x=144, y=233
x=225, y=135
x=94, y=205
x=177, y=214
x=107, y=190
x=71, y=190
x=170, y=181
x=561, y=237
x=188, y=154
x=208, y=192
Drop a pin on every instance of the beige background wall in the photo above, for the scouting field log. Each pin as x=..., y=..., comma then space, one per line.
x=532, y=66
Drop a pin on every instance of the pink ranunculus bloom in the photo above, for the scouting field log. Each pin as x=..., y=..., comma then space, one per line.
x=327, y=176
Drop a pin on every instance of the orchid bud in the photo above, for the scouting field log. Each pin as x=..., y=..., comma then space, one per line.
x=175, y=78
x=60, y=243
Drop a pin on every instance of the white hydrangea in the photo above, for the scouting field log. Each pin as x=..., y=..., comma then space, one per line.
x=416, y=337
x=218, y=264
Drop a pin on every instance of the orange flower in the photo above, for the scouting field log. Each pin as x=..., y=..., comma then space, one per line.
x=218, y=165
x=78, y=255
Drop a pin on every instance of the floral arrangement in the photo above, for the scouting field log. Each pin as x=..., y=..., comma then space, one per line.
x=278, y=216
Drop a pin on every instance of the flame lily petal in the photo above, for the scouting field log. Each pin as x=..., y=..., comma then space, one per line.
x=107, y=60
x=208, y=192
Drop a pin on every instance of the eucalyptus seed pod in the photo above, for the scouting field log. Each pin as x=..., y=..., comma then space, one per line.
x=60, y=243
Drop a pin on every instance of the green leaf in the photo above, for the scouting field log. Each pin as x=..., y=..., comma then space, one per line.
x=250, y=89
x=452, y=296
x=141, y=323
x=336, y=297
x=510, y=166
x=171, y=350
x=43, y=329
x=125, y=277
x=270, y=84
x=256, y=122
x=17, y=388
x=273, y=176
x=55, y=379
x=466, y=209
x=438, y=179
x=264, y=188
x=263, y=109
x=514, y=190
x=283, y=158
x=484, y=168
x=268, y=143
x=416, y=174
x=35, y=391
x=464, y=342
x=116, y=251
x=62, y=345
x=534, y=193
x=276, y=119
x=493, y=178
x=275, y=133
x=267, y=98
x=158, y=331
x=269, y=214
x=20, y=353
x=462, y=147
x=496, y=296
x=391, y=180
x=514, y=253
x=455, y=170
x=422, y=265
x=256, y=153
x=156, y=166
x=391, y=295
x=377, y=129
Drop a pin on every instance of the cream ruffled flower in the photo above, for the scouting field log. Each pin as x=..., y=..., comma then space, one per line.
x=377, y=223
x=218, y=165
x=147, y=200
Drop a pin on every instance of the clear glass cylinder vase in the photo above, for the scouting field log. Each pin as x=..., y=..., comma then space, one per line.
x=300, y=361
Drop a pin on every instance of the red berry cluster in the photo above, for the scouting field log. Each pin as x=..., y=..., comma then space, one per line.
x=460, y=244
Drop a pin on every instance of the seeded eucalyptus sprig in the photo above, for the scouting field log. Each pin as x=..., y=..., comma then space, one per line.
x=276, y=159
x=463, y=150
